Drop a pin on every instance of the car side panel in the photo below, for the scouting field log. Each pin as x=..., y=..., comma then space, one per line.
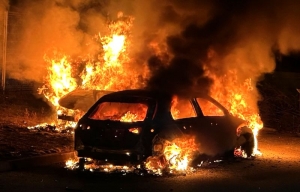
x=216, y=135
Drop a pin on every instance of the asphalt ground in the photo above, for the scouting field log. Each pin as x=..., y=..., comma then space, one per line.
x=42, y=160
x=277, y=169
x=274, y=146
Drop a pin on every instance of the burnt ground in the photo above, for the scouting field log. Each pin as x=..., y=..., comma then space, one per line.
x=20, y=110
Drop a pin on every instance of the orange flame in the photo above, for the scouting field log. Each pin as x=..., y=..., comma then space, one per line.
x=59, y=80
x=128, y=117
x=108, y=72
x=176, y=156
x=238, y=99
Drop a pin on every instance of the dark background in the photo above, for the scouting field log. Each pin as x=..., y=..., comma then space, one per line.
x=280, y=104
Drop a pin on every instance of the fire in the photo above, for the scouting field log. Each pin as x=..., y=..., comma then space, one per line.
x=129, y=117
x=107, y=72
x=94, y=166
x=71, y=164
x=175, y=112
x=110, y=71
x=59, y=80
x=175, y=157
x=113, y=50
x=236, y=98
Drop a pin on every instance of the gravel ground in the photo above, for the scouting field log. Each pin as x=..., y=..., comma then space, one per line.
x=20, y=110
x=281, y=147
x=20, y=142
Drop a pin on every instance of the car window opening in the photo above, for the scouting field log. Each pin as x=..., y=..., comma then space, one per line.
x=182, y=108
x=208, y=108
x=119, y=111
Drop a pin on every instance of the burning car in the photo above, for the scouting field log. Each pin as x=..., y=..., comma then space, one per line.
x=134, y=126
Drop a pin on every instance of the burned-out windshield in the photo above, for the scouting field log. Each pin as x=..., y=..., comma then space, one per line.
x=120, y=111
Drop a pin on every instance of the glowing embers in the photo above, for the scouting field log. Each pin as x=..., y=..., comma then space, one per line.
x=135, y=130
x=92, y=165
x=72, y=164
x=238, y=152
x=172, y=157
x=45, y=127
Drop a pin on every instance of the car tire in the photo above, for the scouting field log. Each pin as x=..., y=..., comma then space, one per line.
x=81, y=163
x=157, y=141
x=246, y=141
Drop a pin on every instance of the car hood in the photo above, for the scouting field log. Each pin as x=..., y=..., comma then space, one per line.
x=81, y=99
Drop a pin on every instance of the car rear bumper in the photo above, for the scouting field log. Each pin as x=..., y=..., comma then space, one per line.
x=112, y=156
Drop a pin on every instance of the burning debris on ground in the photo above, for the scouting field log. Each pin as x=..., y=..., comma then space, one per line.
x=94, y=166
x=52, y=128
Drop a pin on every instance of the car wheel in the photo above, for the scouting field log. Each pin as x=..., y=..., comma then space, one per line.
x=245, y=142
x=81, y=163
x=158, y=145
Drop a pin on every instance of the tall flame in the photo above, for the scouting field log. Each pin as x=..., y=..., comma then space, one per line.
x=107, y=72
x=59, y=80
x=237, y=99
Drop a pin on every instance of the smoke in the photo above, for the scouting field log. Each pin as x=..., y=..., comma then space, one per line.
x=217, y=36
x=4, y=5
x=40, y=27
x=214, y=46
x=180, y=41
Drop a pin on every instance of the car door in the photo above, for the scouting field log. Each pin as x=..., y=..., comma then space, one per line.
x=184, y=114
x=208, y=121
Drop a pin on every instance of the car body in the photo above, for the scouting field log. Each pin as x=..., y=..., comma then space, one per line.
x=123, y=126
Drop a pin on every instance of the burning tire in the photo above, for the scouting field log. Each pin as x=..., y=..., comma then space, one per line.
x=158, y=145
x=171, y=156
x=245, y=142
x=157, y=162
